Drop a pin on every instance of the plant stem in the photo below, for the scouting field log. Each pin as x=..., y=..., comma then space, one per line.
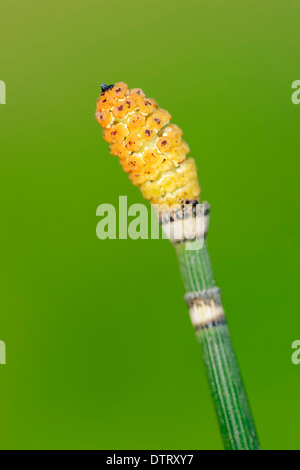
x=207, y=315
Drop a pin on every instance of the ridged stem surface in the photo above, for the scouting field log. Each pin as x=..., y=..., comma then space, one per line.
x=226, y=385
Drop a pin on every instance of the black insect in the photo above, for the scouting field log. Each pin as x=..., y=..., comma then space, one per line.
x=105, y=87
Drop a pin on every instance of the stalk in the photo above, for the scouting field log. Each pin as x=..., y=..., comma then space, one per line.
x=207, y=315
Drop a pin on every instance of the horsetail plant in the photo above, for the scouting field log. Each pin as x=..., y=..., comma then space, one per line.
x=152, y=151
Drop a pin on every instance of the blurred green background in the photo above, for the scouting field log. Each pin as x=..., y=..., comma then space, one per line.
x=100, y=350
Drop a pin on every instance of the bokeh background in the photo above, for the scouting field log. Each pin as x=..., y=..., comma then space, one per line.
x=100, y=350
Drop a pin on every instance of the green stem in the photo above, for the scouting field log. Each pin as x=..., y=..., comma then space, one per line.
x=227, y=389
